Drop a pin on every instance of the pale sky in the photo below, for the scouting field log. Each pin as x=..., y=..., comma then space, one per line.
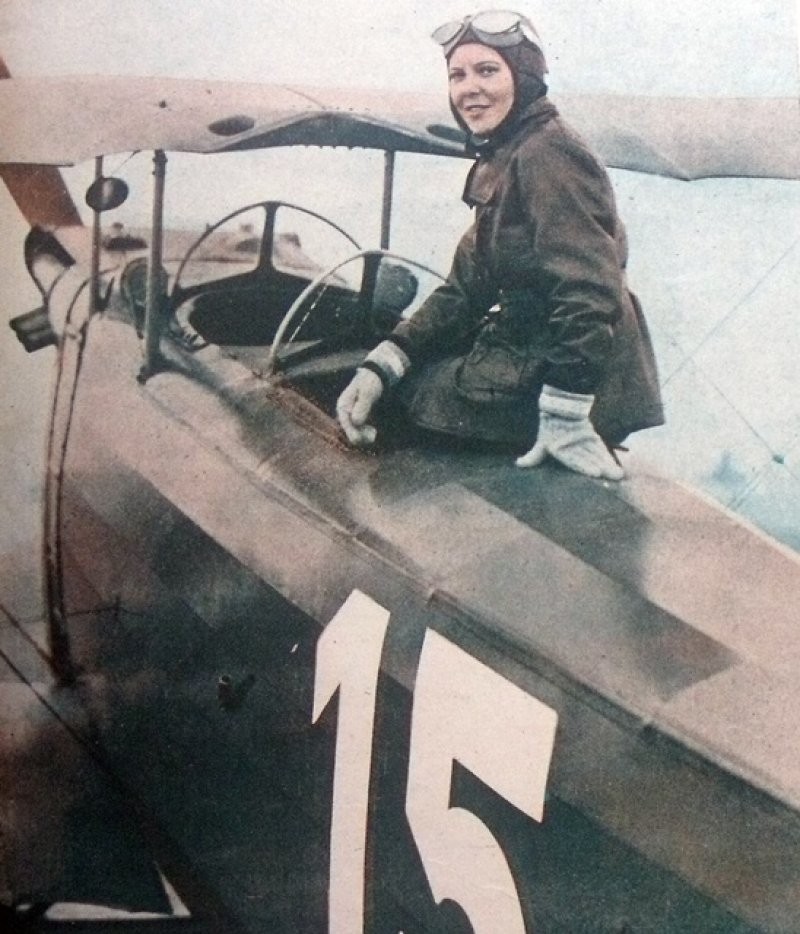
x=708, y=47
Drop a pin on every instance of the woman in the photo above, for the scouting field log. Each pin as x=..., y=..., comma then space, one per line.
x=536, y=306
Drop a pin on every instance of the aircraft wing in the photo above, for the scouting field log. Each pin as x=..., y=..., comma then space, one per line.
x=67, y=120
x=39, y=191
x=63, y=121
x=692, y=138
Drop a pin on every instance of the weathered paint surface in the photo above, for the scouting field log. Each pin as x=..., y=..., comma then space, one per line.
x=214, y=528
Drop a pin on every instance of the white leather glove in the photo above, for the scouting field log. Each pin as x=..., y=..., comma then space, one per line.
x=382, y=368
x=354, y=405
x=566, y=434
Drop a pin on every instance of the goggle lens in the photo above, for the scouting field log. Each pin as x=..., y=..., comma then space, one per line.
x=446, y=33
x=495, y=22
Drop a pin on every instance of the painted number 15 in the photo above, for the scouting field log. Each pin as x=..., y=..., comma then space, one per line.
x=462, y=711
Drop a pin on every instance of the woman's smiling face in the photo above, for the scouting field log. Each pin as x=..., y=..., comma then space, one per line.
x=481, y=87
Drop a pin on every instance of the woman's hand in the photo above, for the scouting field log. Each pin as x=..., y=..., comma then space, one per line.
x=566, y=434
x=382, y=367
x=355, y=404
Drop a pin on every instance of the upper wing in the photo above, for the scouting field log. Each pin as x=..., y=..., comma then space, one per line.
x=38, y=190
x=692, y=137
x=63, y=121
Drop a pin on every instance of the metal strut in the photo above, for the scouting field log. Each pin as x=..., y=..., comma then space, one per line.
x=388, y=186
x=153, y=319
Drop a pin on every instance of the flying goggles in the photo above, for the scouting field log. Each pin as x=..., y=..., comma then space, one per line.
x=496, y=28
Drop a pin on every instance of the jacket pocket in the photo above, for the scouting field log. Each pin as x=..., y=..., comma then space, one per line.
x=498, y=369
x=484, y=372
x=509, y=355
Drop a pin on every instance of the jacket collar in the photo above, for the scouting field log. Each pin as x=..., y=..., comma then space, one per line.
x=494, y=155
x=539, y=111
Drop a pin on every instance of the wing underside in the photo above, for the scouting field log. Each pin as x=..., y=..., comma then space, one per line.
x=67, y=120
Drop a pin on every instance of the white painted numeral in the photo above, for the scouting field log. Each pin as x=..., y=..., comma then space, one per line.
x=348, y=661
x=464, y=711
